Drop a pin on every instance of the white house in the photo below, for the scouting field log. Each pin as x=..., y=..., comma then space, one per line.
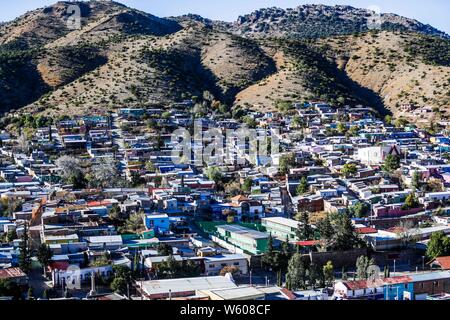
x=214, y=264
x=377, y=155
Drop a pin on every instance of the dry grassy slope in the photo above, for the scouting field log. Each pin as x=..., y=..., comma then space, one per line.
x=380, y=63
x=44, y=25
x=280, y=85
x=146, y=70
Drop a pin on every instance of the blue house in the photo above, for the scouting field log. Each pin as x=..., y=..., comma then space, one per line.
x=160, y=223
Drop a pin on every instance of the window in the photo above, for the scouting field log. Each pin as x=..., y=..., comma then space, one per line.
x=211, y=266
x=236, y=263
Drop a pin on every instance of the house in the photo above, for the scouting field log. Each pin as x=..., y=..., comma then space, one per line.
x=159, y=222
x=376, y=155
x=182, y=288
x=14, y=275
x=246, y=239
x=240, y=294
x=281, y=228
x=215, y=264
x=441, y=263
x=246, y=207
x=408, y=287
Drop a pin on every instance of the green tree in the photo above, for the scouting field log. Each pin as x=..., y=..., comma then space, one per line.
x=287, y=162
x=349, y=170
x=303, y=187
x=362, y=265
x=165, y=249
x=391, y=163
x=10, y=289
x=341, y=128
x=411, y=201
x=11, y=235
x=438, y=246
x=416, y=180
x=345, y=236
x=359, y=210
x=328, y=273
x=326, y=231
x=44, y=255
x=247, y=185
x=271, y=258
x=24, y=251
x=214, y=174
x=169, y=268
x=122, y=279
x=304, y=230
x=296, y=274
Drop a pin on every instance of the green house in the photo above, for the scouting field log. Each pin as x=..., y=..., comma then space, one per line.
x=251, y=241
x=281, y=228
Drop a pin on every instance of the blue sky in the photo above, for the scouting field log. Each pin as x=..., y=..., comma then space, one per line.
x=434, y=12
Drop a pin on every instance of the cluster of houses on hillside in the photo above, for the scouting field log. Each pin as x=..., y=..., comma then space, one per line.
x=103, y=192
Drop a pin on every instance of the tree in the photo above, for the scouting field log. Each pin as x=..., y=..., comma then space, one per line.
x=11, y=235
x=44, y=255
x=271, y=257
x=416, y=180
x=315, y=276
x=135, y=222
x=328, y=273
x=296, y=275
x=24, y=251
x=70, y=169
x=214, y=174
x=165, y=249
x=341, y=128
x=104, y=173
x=247, y=185
x=388, y=119
x=411, y=202
x=230, y=269
x=119, y=285
x=391, y=163
x=150, y=166
x=303, y=187
x=115, y=213
x=326, y=232
x=353, y=131
x=359, y=210
x=287, y=162
x=345, y=236
x=362, y=265
x=122, y=279
x=169, y=268
x=349, y=170
x=439, y=245
x=10, y=289
x=304, y=230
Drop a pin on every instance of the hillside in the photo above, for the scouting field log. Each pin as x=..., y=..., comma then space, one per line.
x=318, y=21
x=404, y=69
x=121, y=56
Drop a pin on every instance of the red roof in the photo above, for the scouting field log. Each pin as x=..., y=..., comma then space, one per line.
x=444, y=262
x=366, y=230
x=99, y=203
x=11, y=273
x=309, y=243
x=288, y=294
x=364, y=284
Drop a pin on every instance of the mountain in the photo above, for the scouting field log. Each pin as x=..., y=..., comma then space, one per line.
x=316, y=21
x=122, y=56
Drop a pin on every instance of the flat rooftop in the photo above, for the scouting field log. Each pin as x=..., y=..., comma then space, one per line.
x=246, y=232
